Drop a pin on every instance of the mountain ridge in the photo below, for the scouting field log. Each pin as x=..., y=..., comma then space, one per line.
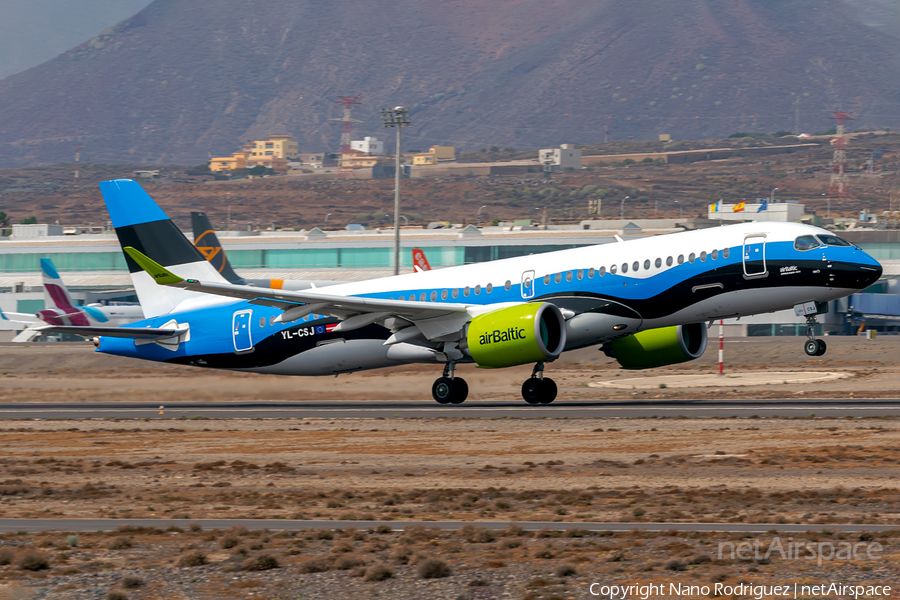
x=178, y=83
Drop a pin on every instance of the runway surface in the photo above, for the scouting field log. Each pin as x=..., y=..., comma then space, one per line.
x=34, y=525
x=476, y=409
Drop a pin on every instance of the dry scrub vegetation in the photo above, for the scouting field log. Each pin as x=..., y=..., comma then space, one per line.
x=415, y=562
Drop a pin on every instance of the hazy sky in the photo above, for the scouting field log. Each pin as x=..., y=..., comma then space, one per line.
x=34, y=31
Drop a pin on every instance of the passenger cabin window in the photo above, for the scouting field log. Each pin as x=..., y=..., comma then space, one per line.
x=489, y=288
x=681, y=259
x=568, y=275
x=715, y=254
x=692, y=257
x=591, y=273
x=647, y=264
x=635, y=266
x=455, y=293
x=726, y=252
x=602, y=271
x=833, y=240
x=703, y=256
x=422, y=297
x=580, y=274
x=433, y=296
x=466, y=291
x=507, y=285
x=658, y=262
x=477, y=289
x=547, y=279
x=558, y=277
x=402, y=298
x=669, y=261
x=443, y=294
x=806, y=242
x=624, y=267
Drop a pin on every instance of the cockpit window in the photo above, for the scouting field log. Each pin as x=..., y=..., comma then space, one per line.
x=833, y=240
x=806, y=242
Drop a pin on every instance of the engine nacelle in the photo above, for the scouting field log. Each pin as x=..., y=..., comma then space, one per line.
x=660, y=347
x=516, y=335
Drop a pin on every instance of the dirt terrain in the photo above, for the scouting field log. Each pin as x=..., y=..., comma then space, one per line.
x=73, y=372
x=806, y=470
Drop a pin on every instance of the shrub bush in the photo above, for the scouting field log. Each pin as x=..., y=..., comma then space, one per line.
x=261, y=562
x=131, y=583
x=347, y=561
x=378, y=572
x=313, y=565
x=120, y=543
x=32, y=560
x=433, y=568
x=229, y=541
x=6, y=556
x=565, y=571
x=675, y=565
x=192, y=559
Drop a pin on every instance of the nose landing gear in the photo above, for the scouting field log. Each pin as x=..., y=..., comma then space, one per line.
x=813, y=347
x=449, y=389
x=539, y=389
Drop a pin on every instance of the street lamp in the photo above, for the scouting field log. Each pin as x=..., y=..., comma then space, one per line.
x=828, y=214
x=680, y=210
x=478, y=216
x=622, y=207
x=326, y=220
x=772, y=196
x=396, y=117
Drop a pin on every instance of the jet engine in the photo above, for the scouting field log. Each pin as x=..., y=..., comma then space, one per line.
x=659, y=347
x=516, y=335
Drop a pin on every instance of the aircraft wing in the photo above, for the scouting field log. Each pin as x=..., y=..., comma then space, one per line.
x=431, y=320
x=139, y=333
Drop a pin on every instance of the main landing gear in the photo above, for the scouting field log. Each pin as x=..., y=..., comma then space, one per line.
x=539, y=389
x=449, y=389
x=813, y=347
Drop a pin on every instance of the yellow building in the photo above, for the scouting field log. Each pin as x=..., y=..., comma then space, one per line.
x=280, y=147
x=435, y=155
x=238, y=160
x=354, y=159
x=277, y=146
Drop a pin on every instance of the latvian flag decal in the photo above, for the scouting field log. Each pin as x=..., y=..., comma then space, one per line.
x=325, y=328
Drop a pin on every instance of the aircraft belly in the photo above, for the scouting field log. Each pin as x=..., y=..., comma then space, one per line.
x=337, y=356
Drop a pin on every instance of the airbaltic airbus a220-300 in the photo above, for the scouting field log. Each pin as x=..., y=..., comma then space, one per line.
x=645, y=300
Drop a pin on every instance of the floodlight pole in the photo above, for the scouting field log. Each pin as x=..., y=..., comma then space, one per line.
x=397, y=205
x=396, y=117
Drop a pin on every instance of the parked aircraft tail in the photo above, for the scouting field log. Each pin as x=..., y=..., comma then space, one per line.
x=140, y=223
x=207, y=242
x=420, y=263
x=55, y=291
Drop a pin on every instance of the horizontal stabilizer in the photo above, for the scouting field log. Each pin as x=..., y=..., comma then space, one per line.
x=137, y=333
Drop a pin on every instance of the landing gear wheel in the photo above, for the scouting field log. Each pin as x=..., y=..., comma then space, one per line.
x=822, y=347
x=811, y=347
x=548, y=390
x=532, y=391
x=442, y=390
x=460, y=391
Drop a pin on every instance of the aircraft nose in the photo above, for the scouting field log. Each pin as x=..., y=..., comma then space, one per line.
x=869, y=273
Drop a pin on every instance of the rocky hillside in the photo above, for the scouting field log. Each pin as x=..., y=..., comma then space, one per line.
x=183, y=79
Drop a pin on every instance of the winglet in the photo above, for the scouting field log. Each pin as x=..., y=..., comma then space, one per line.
x=159, y=273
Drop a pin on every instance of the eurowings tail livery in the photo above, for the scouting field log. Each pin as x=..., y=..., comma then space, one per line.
x=644, y=300
x=61, y=310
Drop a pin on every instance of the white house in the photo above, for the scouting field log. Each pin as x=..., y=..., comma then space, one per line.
x=369, y=145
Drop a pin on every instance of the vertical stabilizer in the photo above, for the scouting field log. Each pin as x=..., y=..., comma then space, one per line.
x=207, y=242
x=55, y=291
x=142, y=224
